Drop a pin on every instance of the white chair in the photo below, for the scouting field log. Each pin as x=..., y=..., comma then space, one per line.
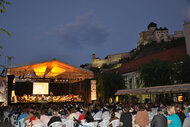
x=63, y=120
x=55, y=124
x=89, y=124
x=115, y=123
x=104, y=123
x=117, y=114
x=27, y=123
x=42, y=125
x=98, y=115
x=6, y=115
x=69, y=123
x=133, y=119
x=106, y=114
x=83, y=121
x=20, y=123
x=13, y=119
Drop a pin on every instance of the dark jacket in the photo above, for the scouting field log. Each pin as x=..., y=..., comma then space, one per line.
x=159, y=121
x=126, y=119
x=54, y=119
x=181, y=116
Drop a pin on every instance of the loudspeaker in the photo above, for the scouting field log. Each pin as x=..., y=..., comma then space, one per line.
x=10, y=85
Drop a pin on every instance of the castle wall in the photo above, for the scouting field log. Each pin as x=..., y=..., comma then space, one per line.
x=111, y=59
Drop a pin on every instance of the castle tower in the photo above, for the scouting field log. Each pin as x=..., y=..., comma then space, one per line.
x=152, y=26
x=186, y=26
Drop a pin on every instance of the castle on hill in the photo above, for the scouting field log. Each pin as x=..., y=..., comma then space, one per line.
x=154, y=34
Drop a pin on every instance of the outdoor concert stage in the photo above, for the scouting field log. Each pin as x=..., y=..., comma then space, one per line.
x=49, y=81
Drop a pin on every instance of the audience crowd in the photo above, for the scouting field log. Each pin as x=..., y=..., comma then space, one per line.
x=97, y=115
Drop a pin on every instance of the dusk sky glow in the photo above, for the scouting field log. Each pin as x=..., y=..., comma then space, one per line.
x=72, y=30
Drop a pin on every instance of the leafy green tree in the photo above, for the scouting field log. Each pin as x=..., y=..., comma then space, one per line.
x=108, y=83
x=156, y=73
x=3, y=10
x=181, y=69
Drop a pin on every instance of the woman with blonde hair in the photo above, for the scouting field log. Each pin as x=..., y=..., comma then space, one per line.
x=173, y=119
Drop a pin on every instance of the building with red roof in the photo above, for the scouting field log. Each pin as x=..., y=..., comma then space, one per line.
x=128, y=69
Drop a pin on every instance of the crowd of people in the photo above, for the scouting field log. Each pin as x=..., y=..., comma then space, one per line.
x=102, y=115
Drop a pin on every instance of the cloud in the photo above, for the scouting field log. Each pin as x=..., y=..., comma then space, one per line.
x=84, y=31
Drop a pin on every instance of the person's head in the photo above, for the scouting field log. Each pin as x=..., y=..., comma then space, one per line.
x=178, y=109
x=132, y=108
x=159, y=111
x=141, y=107
x=113, y=115
x=43, y=112
x=126, y=109
x=73, y=110
x=185, y=105
x=37, y=115
x=54, y=113
x=171, y=110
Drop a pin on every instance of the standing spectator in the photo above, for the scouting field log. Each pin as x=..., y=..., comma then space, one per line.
x=185, y=105
x=173, y=119
x=142, y=117
x=159, y=120
x=187, y=120
x=126, y=118
x=180, y=114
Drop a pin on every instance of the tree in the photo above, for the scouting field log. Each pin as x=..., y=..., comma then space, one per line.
x=156, y=73
x=2, y=10
x=108, y=83
x=181, y=69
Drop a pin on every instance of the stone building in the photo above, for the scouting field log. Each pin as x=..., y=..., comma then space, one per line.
x=110, y=59
x=157, y=35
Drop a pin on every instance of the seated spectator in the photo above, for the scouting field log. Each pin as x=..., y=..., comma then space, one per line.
x=113, y=117
x=72, y=114
x=30, y=114
x=22, y=116
x=54, y=118
x=37, y=119
x=44, y=118
x=88, y=117
x=82, y=116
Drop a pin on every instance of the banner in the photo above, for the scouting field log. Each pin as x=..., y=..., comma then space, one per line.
x=2, y=88
x=93, y=89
